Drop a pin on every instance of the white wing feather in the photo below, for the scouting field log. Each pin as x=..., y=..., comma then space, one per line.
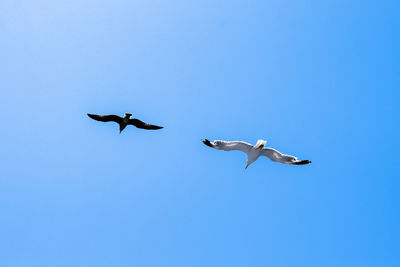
x=277, y=156
x=232, y=145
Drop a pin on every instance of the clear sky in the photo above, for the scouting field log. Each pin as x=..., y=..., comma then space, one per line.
x=316, y=79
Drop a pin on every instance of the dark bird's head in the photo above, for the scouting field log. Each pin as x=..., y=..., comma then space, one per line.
x=128, y=115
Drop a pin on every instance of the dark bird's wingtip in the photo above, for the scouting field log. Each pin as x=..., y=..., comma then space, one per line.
x=303, y=162
x=207, y=142
x=156, y=128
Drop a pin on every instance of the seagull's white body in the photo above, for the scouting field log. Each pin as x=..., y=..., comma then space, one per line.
x=253, y=152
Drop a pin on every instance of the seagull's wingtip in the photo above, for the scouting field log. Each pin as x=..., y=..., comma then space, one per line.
x=207, y=142
x=302, y=162
x=156, y=127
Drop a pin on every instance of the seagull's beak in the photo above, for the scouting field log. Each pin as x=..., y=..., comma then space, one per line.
x=247, y=165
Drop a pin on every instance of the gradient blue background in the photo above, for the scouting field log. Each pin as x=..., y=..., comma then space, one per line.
x=317, y=79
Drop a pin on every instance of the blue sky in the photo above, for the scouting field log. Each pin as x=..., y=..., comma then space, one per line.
x=317, y=79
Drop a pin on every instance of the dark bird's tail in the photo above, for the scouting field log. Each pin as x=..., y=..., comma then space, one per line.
x=302, y=162
x=207, y=142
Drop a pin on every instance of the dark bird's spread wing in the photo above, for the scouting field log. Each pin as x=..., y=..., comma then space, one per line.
x=143, y=125
x=105, y=118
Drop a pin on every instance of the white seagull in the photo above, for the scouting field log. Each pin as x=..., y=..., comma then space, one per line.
x=253, y=152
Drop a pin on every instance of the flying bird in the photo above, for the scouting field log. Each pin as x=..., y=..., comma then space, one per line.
x=253, y=152
x=125, y=121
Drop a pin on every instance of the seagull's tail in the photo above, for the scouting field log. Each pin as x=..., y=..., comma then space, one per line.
x=260, y=144
x=207, y=143
x=302, y=162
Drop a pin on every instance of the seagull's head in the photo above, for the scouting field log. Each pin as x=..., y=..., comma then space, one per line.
x=128, y=115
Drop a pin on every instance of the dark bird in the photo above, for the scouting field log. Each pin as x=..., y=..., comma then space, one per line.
x=125, y=121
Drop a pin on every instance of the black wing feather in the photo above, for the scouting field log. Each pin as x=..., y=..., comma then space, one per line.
x=143, y=125
x=302, y=162
x=207, y=143
x=106, y=118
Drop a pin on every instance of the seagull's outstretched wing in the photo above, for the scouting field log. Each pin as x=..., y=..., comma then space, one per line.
x=277, y=156
x=143, y=125
x=106, y=118
x=229, y=145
